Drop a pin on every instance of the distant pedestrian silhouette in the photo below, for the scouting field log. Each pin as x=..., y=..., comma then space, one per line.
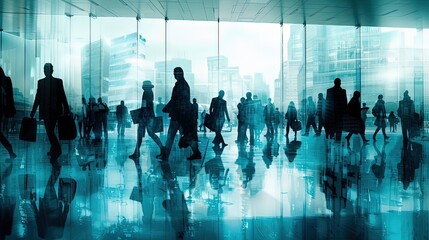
x=180, y=110
x=336, y=102
x=195, y=112
x=218, y=110
x=103, y=111
x=249, y=112
x=393, y=121
x=241, y=128
x=7, y=108
x=311, y=116
x=202, y=127
x=81, y=115
x=269, y=118
x=147, y=121
x=51, y=98
x=276, y=121
x=291, y=116
x=363, y=115
x=406, y=112
x=121, y=117
x=354, y=112
x=379, y=112
x=320, y=113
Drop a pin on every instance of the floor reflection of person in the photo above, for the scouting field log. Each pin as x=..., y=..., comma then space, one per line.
x=7, y=200
x=175, y=205
x=52, y=102
x=51, y=215
x=411, y=157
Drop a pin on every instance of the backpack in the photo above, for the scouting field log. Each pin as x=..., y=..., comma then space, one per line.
x=374, y=111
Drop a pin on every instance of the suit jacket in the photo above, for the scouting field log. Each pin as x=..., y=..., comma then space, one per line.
x=7, y=103
x=179, y=107
x=218, y=109
x=336, y=104
x=51, y=98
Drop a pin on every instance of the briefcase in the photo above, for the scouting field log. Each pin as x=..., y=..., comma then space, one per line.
x=139, y=115
x=209, y=122
x=158, y=124
x=66, y=127
x=28, y=131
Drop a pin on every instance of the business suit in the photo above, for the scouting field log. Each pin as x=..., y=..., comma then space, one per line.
x=218, y=111
x=52, y=102
x=336, y=103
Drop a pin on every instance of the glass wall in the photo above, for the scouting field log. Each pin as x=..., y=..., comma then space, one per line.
x=111, y=57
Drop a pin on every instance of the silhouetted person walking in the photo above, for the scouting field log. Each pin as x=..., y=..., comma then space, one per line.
x=218, y=111
x=147, y=121
x=291, y=116
x=53, y=103
x=241, y=129
x=336, y=102
x=276, y=121
x=82, y=118
x=121, y=117
x=311, y=116
x=269, y=117
x=202, y=127
x=104, y=113
x=320, y=113
x=7, y=108
x=249, y=117
x=393, y=121
x=180, y=110
x=406, y=112
x=379, y=111
x=195, y=112
x=363, y=116
x=354, y=111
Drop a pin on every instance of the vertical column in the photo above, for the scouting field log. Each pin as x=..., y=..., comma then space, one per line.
x=358, y=46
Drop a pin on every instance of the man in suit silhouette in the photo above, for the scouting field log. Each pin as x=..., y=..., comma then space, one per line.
x=336, y=103
x=218, y=110
x=52, y=100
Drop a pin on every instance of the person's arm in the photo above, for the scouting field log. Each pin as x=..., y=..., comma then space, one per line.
x=36, y=101
x=226, y=112
x=211, y=107
x=63, y=97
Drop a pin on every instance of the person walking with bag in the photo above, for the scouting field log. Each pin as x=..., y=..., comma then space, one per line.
x=292, y=117
x=147, y=116
x=219, y=110
x=7, y=108
x=406, y=112
x=51, y=98
x=379, y=112
x=356, y=124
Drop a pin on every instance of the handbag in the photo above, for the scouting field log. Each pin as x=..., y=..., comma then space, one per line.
x=66, y=127
x=28, y=130
x=209, y=122
x=158, y=124
x=139, y=115
x=296, y=126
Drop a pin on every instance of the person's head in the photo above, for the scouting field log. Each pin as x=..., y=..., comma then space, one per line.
x=380, y=97
x=310, y=99
x=356, y=94
x=255, y=97
x=406, y=94
x=364, y=104
x=291, y=104
x=242, y=99
x=221, y=94
x=159, y=99
x=320, y=96
x=122, y=103
x=249, y=95
x=277, y=109
x=337, y=82
x=147, y=85
x=91, y=99
x=83, y=100
x=269, y=100
x=194, y=100
x=178, y=73
x=48, y=69
x=99, y=100
x=391, y=113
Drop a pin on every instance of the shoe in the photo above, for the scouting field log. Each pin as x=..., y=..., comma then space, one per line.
x=12, y=155
x=386, y=137
x=224, y=145
x=162, y=153
x=195, y=156
x=134, y=156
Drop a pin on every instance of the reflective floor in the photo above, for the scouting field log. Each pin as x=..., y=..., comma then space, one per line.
x=304, y=188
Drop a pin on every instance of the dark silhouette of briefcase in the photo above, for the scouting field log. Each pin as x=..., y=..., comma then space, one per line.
x=158, y=124
x=209, y=122
x=28, y=131
x=66, y=128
